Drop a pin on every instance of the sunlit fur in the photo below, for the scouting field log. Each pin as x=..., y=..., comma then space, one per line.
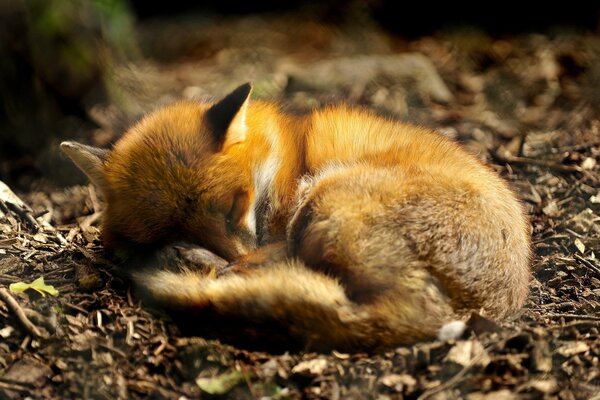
x=390, y=230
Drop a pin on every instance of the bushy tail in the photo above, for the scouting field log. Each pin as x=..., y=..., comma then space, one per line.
x=284, y=307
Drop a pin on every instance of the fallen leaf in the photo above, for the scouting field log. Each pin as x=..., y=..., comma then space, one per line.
x=220, y=384
x=546, y=386
x=572, y=348
x=480, y=324
x=28, y=372
x=541, y=356
x=464, y=352
x=6, y=332
x=341, y=356
x=503, y=394
x=399, y=382
x=583, y=222
x=551, y=209
x=580, y=246
x=40, y=237
x=38, y=285
x=589, y=163
x=312, y=367
x=7, y=195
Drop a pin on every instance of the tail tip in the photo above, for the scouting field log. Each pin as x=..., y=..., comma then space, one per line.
x=452, y=330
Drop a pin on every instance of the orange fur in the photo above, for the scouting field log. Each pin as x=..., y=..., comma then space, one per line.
x=391, y=230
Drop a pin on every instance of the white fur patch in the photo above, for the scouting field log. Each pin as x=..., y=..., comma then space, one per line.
x=452, y=330
x=263, y=178
x=251, y=218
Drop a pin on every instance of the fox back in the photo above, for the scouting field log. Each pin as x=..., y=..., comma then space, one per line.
x=342, y=229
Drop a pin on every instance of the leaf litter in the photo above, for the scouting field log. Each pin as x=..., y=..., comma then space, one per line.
x=517, y=103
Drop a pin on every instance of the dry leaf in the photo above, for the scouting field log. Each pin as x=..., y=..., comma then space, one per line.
x=580, y=246
x=503, y=394
x=463, y=353
x=399, y=382
x=38, y=285
x=551, y=209
x=547, y=386
x=220, y=384
x=589, y=163
x=312, y=367
x=572, y=348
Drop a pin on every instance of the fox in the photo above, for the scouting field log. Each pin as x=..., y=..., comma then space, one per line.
x=336, y=229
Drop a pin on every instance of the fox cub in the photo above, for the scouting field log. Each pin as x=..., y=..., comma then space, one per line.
x=340, y=229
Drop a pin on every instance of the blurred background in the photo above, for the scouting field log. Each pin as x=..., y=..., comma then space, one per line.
x=85, y=70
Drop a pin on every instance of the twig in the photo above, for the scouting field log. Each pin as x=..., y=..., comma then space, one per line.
x=8, y=242
x=75, y=307
x=246, y=376
x=455, y=379
x=573, y=324
x=9, y=278
x=13, y=386
x=578, y=147
x=12, y=304
x=39, y=213
x=587, y=263
x=540, y=163
x=24, y=215
x=120, y=353
x=573, y=316
x=522, y=140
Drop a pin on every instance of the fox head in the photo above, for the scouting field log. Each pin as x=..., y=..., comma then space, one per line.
x=177, y=175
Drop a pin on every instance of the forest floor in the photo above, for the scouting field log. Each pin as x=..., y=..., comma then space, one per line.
x=529, y=105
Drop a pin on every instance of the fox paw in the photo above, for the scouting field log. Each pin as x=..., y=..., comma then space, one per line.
x=235, y=268
x=199, y=257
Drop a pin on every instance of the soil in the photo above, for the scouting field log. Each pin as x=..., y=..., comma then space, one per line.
x=527, y=104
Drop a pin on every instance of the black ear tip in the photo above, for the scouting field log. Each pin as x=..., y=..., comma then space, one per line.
x=239, y=94
x=220, y=115
x=244, y=90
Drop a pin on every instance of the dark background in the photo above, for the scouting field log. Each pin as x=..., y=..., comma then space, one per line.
x=410, y=19
x=56, y=57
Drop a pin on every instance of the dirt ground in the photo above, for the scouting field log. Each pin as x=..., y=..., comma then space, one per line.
x=528, y=104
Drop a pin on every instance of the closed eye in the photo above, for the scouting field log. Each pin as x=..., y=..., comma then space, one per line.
x=239, y=208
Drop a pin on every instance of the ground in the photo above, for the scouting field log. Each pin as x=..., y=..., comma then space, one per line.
x=527, y=104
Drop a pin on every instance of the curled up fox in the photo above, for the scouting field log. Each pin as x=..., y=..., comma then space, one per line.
x=340, y=229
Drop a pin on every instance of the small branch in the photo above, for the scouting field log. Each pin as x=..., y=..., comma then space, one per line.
x=15, y=386
x=12, y=304
x=577, y=147
x=522, y=140
x=573, y=316
x=9, y=201
x=455, y=379
x=75, y=307
x=587, y=263
x=246, y=376
x=533, y=161
x=24, y=214
x=571, y=324
x=8, y=278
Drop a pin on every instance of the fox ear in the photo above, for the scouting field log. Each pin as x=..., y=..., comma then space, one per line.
x=227, y=118
x=90, y=160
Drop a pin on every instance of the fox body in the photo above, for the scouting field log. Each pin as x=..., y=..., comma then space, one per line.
x=343, y=230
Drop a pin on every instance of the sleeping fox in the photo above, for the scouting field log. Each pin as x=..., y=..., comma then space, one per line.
x=340, y=229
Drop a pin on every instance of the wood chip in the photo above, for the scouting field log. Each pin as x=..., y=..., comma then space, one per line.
x=570, y=349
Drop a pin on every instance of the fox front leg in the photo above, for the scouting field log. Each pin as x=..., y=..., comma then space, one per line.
x=263, y=257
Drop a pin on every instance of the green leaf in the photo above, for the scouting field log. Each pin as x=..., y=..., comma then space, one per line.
x=220, y=384
x=38, y=285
